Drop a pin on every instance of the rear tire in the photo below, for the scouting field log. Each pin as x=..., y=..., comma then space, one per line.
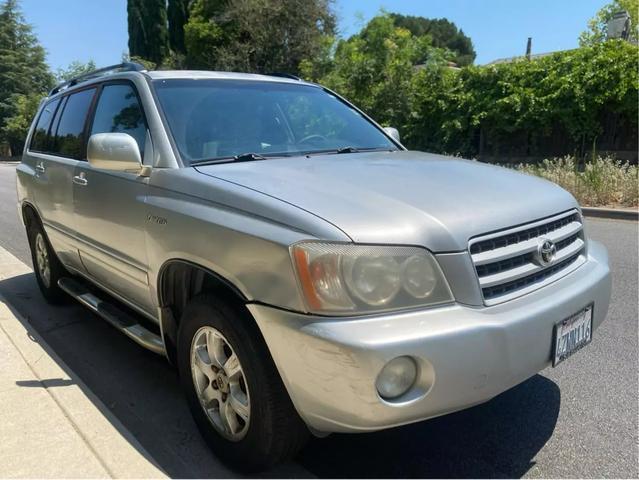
x=267, y=430
x=48, y=269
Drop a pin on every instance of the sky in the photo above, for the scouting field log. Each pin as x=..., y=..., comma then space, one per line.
x=96, y=29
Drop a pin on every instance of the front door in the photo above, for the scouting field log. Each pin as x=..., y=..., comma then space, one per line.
x=110, y=207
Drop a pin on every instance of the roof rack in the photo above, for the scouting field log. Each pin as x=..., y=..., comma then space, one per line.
x=284, y=75
x=120, y=67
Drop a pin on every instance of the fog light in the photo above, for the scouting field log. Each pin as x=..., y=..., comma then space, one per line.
x=396, y=377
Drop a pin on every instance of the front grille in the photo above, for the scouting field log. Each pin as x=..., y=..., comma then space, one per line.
x=507, y=262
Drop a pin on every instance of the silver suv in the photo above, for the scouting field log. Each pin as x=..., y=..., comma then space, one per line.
x=301, y=268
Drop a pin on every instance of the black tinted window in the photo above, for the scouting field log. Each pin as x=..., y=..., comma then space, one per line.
x=119, y=111
x=69, y=139
x=40, y=139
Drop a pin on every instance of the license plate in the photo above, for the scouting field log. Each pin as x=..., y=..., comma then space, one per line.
x=572, y=334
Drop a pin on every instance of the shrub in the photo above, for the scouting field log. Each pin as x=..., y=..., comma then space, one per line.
x=603, y=181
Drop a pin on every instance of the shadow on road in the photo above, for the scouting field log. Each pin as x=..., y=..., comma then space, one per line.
x=45, y=383
x=497, y=439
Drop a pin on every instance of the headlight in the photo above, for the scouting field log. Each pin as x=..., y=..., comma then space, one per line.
x=373, y=280
x=348, y=278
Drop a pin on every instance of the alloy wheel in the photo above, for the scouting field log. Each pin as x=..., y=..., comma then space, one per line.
x=42, y=260
x=220, y=384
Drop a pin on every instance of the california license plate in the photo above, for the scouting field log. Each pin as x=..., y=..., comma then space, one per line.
x=572, y=334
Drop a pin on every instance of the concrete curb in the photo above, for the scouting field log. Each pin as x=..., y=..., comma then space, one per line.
x=613, y=213
x=106, y=447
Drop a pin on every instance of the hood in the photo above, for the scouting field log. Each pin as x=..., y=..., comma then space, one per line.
x=407, y=198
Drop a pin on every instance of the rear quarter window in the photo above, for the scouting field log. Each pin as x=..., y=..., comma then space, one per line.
x=41, y=135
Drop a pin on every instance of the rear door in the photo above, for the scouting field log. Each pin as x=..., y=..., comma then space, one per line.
x=56, y=147
x=110, y=208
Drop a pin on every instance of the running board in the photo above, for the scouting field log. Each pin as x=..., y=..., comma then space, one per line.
x=121, y=320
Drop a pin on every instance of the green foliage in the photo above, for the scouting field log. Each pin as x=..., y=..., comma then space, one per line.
x=148, y=29
x=375, y=68
x=454, y=111
x=16, y=125
x=75, y=69
x=258, y=35
x=571, y=90
x=603, y=181
x=437, y=122
x=597, y=26
x=147, y=64
x=24, y=75
x=443, y=34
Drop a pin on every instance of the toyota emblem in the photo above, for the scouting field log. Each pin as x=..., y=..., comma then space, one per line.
x=546, y=252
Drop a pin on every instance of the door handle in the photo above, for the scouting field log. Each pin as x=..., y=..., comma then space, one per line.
x=39, y=167
x=80, y=179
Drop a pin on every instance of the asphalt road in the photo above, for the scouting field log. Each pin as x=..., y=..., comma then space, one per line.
x=578, y=420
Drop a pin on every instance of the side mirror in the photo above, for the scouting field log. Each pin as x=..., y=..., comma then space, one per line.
x=393, y=133
x=114, y=151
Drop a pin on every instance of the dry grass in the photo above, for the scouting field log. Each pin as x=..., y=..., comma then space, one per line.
x=601, y=182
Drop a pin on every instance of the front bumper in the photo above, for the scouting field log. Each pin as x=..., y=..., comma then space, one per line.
x=467, y=355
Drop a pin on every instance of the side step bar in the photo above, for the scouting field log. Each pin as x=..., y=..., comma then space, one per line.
x=114, y=315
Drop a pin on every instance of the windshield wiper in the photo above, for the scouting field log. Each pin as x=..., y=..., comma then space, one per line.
x=248, y=157
x=333, y=151
x=242, y=157
x=347, y=150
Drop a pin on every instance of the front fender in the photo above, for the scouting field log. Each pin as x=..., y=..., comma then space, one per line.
x=235, y=240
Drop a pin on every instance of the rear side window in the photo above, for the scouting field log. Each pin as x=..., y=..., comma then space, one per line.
x=119, y=111
x=41, y=137
x=69, y=138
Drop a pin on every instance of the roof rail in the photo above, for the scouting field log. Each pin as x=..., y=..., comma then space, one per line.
x=120, y=67
x=284, y=75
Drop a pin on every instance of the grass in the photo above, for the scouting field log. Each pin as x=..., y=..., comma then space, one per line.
x=602, y=182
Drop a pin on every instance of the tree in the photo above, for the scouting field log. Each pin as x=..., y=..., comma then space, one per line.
x=148, y=29
x=257, y=35
x=16, y=125
x=24, y=73
x=375, y=69
x=75, y=69
x=178, y=16
x=598, y=25
x=443, y=33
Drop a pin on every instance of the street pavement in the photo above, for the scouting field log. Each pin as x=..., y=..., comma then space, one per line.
x=51, y=425
x=577, y=420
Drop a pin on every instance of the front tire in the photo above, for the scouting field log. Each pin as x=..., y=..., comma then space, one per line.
x=48, y=269
x=235, y=394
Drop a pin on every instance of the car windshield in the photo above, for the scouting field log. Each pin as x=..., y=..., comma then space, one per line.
x=222, y=119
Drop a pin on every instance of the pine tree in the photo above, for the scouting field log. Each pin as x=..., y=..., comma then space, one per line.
x=23, y=70
x=148, y=32
x=178, y=16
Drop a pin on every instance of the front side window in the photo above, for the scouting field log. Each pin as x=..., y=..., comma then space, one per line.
x=217, y=119
x=41, y=137
x=119, y=111
x=69, y=138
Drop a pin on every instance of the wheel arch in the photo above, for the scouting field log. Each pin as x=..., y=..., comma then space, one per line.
x=29, y=213
x=180, y=280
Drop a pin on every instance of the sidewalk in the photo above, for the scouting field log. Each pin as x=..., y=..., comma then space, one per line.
x=51, y=424
x=611, y=213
